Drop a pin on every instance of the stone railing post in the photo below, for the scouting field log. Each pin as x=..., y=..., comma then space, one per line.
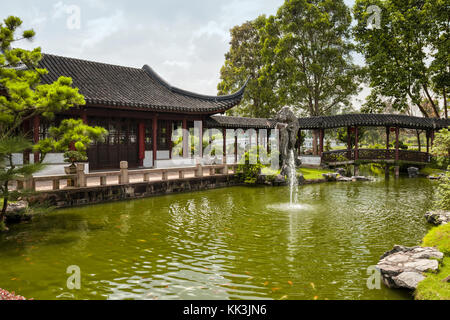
x=81, y=177
x=30, y=184
x=55, y=183
x=123, y=178
x=199, y=171
x=165, y=175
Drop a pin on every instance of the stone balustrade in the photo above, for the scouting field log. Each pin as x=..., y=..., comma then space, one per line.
x=122, y=177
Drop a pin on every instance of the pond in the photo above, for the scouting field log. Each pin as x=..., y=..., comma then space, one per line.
x=234, y=243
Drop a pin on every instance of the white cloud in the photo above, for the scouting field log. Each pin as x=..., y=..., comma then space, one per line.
x=101, y=28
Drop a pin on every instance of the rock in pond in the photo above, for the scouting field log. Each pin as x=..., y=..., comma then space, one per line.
x=413, y=172
x=279, y=180
x=438, y=217
x=360, y=178
x=330, y=176
x=344, y=179
x=403, y=267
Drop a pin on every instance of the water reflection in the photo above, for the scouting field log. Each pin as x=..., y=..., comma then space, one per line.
x=234, y=243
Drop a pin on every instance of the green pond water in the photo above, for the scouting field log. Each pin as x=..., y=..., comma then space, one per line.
x=234, y=243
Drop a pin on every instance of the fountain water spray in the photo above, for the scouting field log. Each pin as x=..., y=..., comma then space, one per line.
x=292, y=178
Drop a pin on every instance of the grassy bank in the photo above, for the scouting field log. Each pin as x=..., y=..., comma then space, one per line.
x=434, y=287
x=308, y=173
x=313, y=173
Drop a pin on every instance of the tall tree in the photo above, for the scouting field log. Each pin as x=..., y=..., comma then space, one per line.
x=23, y=97
x=307, y=49
x=244, y=62
x=407, y=57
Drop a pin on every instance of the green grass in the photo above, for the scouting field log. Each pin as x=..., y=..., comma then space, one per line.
x=269, y=171
x=433, y=288
x=308, y=173
x=439, y=237
x=312, y=173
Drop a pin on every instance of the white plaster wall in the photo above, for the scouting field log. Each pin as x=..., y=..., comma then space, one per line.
x=17, y=159
x=175, y=163
x=311, y=160
x=148, y=160
x=163, y=155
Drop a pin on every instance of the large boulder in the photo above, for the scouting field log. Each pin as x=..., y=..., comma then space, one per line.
x=438, y=217
x=403, y=267
x=279, y=180
x=17, y=212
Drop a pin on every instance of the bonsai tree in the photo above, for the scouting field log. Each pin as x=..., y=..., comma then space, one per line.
x=72, y=137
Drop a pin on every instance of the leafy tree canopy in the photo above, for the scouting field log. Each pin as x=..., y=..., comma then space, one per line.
x=407, y=58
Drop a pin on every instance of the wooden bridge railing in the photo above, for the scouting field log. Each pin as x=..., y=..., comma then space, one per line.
x=80, y=179
x=375, y=154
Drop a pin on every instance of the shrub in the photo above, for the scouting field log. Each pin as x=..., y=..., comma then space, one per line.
x=443, y=192
x=250, y=172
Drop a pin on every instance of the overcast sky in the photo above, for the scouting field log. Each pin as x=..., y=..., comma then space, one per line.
x=183, y=40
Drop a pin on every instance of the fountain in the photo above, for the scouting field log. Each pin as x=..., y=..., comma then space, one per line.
x=288, y=125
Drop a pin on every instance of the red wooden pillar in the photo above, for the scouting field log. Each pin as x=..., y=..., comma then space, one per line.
x=388, y=132
x=397, y=132
x=141, y=143
x=428, y=141
x=36, y=125
x=349, y=143
x=432, y=138
x=155, y=139
x=185, y=139
x=356, y=143
x=26, y=131
x=224, y=135
x=299, y=138
x=169, y=136
x=84, y=116
x=321, y=136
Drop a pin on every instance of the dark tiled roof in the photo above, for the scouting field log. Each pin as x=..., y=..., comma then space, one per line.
x=238, y=122
x=117, y=86
x=374, y=120
x=329, y=122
